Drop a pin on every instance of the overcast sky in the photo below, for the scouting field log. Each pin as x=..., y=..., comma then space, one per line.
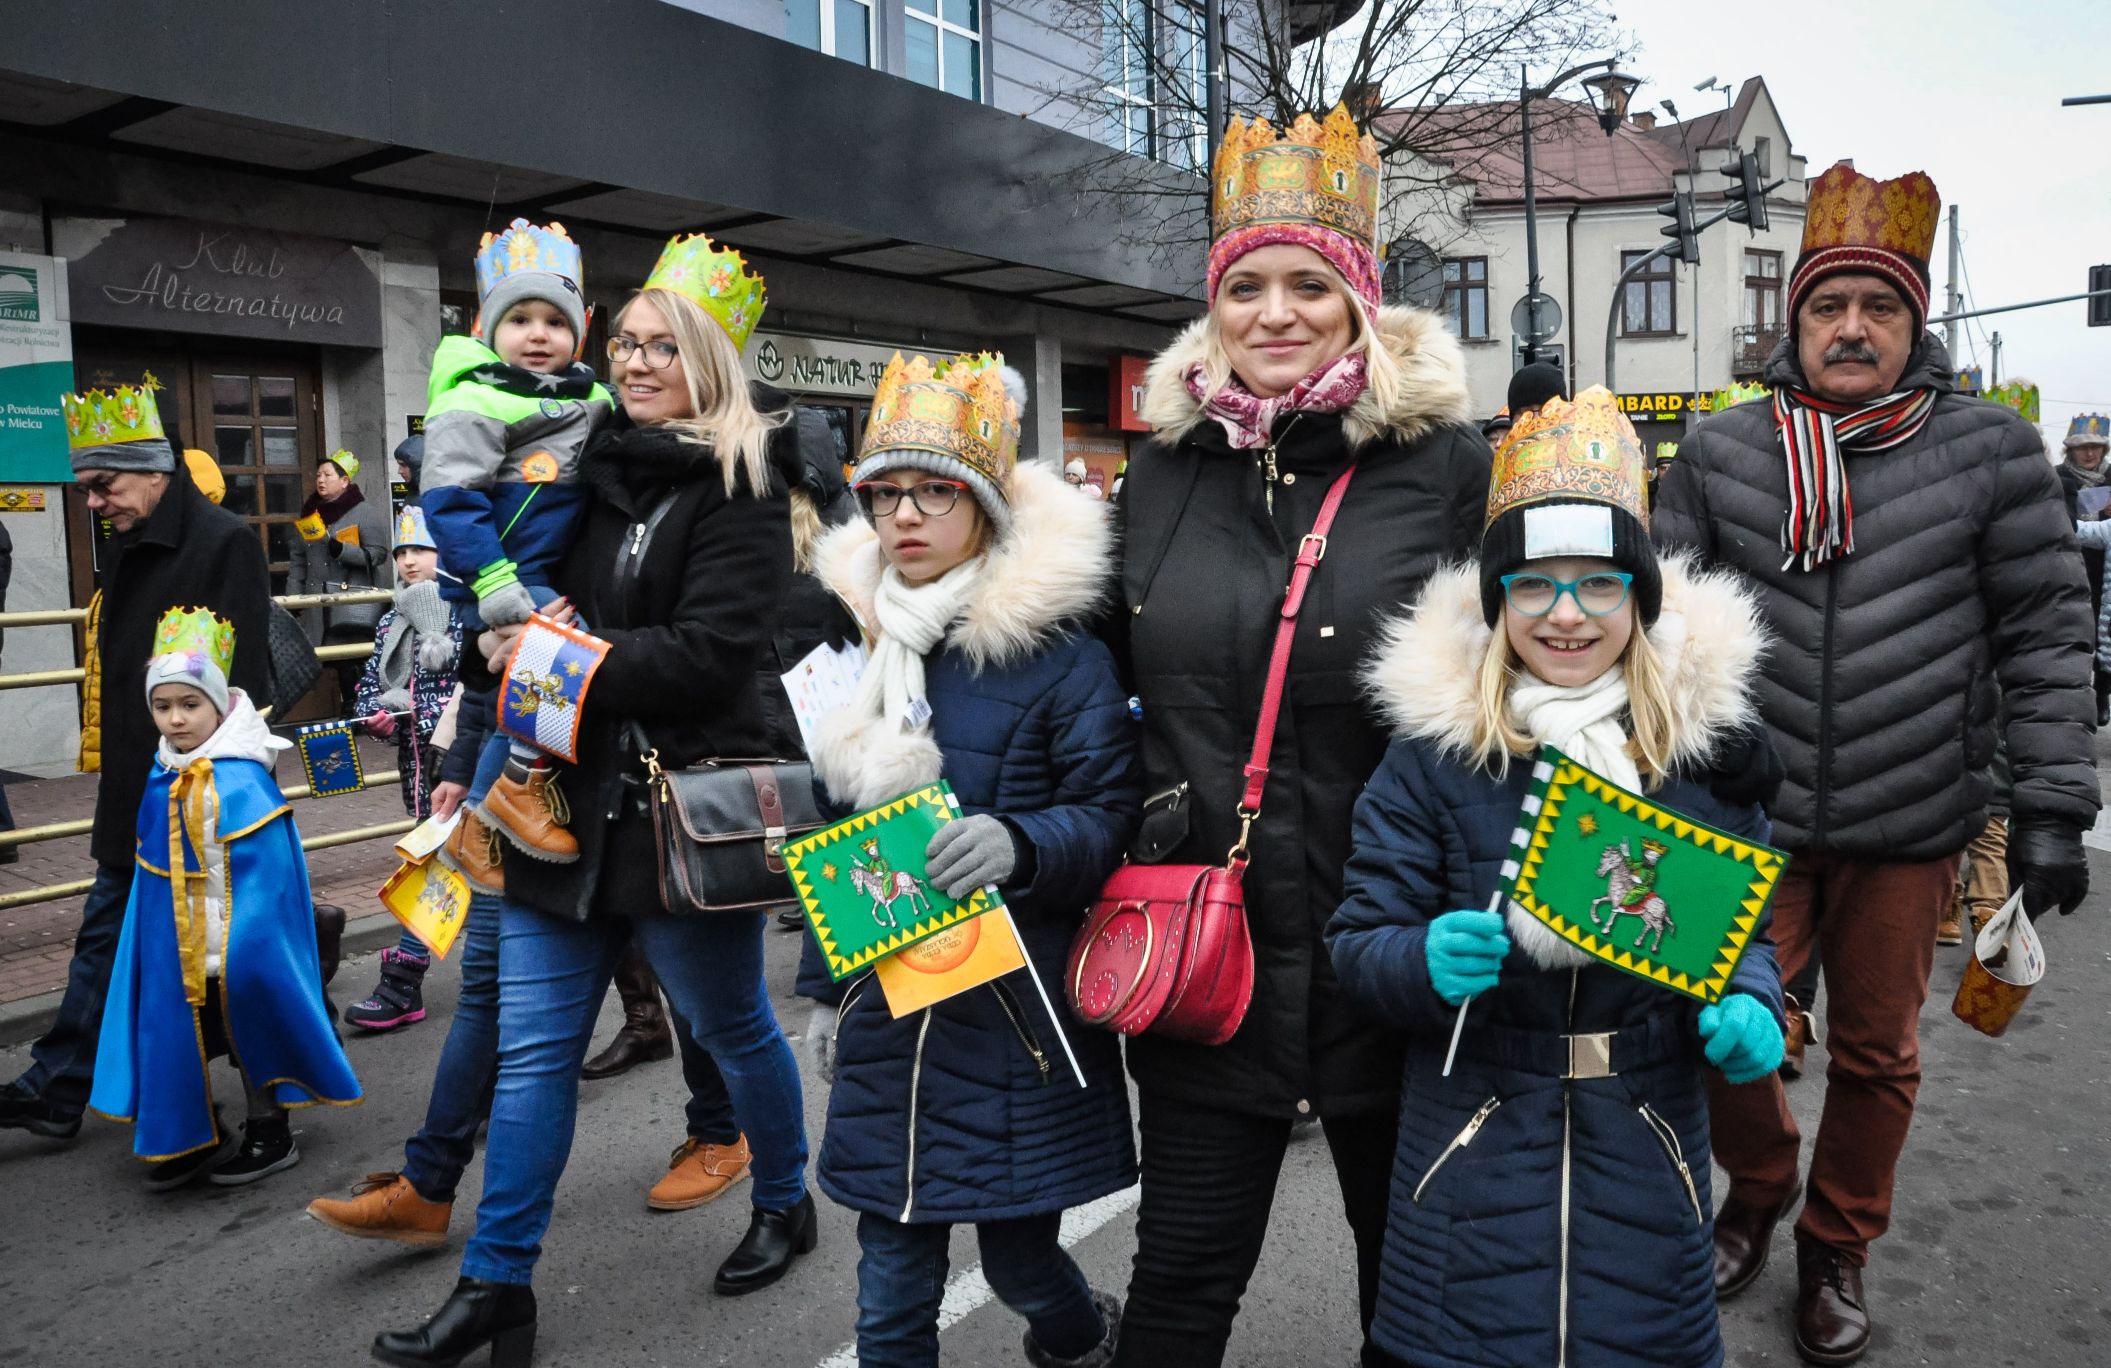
x=1969, y=93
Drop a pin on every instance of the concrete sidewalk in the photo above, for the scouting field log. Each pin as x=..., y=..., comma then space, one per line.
x=36, y=942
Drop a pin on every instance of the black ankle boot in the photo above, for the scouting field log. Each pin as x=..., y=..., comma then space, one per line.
x=764, y=1254
x=477, y=1313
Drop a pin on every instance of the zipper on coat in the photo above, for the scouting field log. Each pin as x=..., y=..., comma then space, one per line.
x=1669, y=1139
x=1270, y=477
x=916, y=1078
x=1011, y=1007
x=1458, y=1142
x=1562, y=1313
x=1825, y=670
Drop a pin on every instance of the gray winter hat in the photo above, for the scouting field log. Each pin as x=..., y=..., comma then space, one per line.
x=151, y=457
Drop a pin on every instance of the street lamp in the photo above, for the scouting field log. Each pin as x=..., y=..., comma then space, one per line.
x=1610, y=90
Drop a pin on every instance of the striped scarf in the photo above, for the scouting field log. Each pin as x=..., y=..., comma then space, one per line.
x=1816, y=434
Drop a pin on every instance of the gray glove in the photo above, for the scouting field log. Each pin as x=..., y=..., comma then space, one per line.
x=506, y=605
x=969, y=853
x=422, y=606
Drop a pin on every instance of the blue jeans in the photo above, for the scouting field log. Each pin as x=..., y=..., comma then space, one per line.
x=62, y=1062
x=709, y=1111
x=902, y=1279
x=553, y=974
x=434, y=1158
x=490, y=761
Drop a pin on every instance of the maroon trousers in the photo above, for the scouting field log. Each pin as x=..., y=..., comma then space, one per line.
x=1873, y=925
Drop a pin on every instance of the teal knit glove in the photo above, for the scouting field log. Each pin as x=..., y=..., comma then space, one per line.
x=1740, y=1037
x=1465, y=951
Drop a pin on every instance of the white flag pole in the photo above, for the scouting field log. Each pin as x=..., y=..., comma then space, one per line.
x=1049, y=1007
x=1458, y=1026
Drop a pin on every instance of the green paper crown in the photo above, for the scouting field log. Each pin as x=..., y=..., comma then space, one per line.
x=346, y=462
x=1744, y=392
x=715, y=280
x=125, y=414
x=196, y=631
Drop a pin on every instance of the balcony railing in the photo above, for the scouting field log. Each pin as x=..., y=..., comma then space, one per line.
x=1750, y=346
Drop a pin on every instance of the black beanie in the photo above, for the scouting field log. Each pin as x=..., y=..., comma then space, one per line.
x=1533, y=385
x=1503, y=553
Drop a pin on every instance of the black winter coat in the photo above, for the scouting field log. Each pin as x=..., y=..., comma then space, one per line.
x=186, y=553
x=688, y=625
x=1880, y=691
x=811, y=471
x=1205, y=564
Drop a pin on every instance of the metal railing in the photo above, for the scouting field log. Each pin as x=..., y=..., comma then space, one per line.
x=59, y=831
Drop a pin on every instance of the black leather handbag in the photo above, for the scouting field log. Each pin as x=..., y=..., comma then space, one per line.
x=720, y=828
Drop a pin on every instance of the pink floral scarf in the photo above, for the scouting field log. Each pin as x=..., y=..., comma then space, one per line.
x=1249, y=419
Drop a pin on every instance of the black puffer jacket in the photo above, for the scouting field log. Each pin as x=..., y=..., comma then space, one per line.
x=1205, y=563
x=1880, y=691
x=688, y=627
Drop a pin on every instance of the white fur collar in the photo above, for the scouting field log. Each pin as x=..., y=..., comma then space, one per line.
x=1051, y=570
x=1432, y=391
x=1425, y=671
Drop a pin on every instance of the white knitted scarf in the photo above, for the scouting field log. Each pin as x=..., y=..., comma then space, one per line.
x=1585, y=722
x=880, y=746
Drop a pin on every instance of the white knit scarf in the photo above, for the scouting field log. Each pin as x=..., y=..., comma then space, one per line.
x=1585, y=722
x=880, y=746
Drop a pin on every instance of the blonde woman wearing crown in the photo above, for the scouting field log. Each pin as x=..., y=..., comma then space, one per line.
x=681, y=564
x=1297, y=374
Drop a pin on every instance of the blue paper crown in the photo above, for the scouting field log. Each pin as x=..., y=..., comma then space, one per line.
x=523, y=247
x=2090, y=425
x=413, y=530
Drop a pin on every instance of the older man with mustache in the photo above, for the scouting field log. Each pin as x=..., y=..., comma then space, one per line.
x=1951, y=567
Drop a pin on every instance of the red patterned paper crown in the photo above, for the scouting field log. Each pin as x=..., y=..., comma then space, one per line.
x=1582, y=449
x=1854, y=222
x=1321, y=172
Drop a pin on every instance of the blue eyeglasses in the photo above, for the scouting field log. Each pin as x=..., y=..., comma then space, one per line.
x=1598, y=593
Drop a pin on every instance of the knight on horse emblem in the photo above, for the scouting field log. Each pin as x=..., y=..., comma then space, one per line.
x=1631, y=891
x=880, y=881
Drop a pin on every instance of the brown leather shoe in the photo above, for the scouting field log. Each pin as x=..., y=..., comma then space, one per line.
x=1802, y=1030
x=1950, y=930
x=385, y=1207
x=474, y=851
x=697, y=1173
x=1832, y=1320
x=527, y=807
x=1743, y=1234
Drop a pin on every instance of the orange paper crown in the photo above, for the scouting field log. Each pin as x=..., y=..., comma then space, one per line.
x=1854, y=222
x=1573, y=450
x=1320, y=171
x=958, y=408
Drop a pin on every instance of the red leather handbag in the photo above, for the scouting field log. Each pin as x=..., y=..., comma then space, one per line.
x=1165, y=948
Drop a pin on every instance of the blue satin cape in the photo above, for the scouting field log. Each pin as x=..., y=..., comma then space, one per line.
x=150, y=1066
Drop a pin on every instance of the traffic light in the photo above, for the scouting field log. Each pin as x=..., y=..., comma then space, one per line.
x=1681, y=229
x=2099, y=305
x=1747, y=194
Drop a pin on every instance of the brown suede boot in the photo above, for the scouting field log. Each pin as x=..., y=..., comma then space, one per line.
x=1802, y=1030
x=645, y=1035
x=527, y=807
x=385, y=1207
x=474, y=851
x=1950, y=930
x=697, y=1172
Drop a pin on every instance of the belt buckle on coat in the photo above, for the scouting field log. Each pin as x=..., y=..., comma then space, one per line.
x=1590, y=1056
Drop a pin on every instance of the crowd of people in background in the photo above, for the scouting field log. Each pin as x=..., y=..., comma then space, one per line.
x=1897, y=686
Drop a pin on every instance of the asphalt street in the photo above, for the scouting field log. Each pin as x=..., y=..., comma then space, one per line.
x=1998, y=1255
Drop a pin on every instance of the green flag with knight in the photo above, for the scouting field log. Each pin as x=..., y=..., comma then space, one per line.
x=1637, y=886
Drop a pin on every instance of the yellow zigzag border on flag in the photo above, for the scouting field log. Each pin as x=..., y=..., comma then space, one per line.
x=1766, y=870
x=840, y=965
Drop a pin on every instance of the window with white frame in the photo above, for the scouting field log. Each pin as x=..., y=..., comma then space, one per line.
x=1126, y=73
x=1152, y=67
x=1183, y=139
x=942, y=41
x=840, y=28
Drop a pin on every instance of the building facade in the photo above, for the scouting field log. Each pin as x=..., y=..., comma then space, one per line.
x=274, y=208
x=1677, y=330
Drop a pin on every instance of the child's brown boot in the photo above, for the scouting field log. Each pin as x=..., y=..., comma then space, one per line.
x=474, y=852
x=527, y=808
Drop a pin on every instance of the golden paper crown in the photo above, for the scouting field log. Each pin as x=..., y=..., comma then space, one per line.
x=715, y=280
x=958, y=408
x=1582, y=449
x=1320, y=171
x=195, y=631
x=125, y=414
x=1848, y=209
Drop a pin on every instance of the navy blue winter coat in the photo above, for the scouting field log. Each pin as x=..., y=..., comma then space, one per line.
x=1526, y=1208
x=968, y=1111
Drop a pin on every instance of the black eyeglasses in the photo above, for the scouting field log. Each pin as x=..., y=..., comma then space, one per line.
x=933, y=498
x=658, y=355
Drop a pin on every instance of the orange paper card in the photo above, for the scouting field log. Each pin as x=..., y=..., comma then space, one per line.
x=963, y=956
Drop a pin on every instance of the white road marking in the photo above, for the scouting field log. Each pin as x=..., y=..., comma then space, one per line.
x=967, y=1291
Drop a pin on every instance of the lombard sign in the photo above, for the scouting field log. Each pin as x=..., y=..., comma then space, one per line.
x=36, y=367
x=186, y=276
x=1661, y=407
x=817, y=365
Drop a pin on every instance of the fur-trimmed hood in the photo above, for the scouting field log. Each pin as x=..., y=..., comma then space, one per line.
x=1051, y=570
x=1425, y=670
x=1432, y=389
